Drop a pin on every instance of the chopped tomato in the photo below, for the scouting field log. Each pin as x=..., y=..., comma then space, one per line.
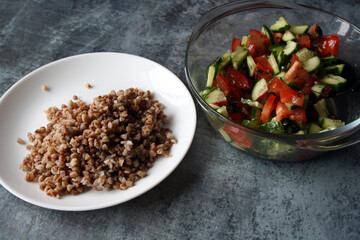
x=238, y=136
x=292, y=96
x=277, y=85
x=296, y=74
x=315, y=34
x=298, y=115
x=236, y=117
x=277, y=37
x=237, y=80
x=308, y=84
x=329, y=45
x=244, y=110
x=261, y=72
x=222, y=103
x=257, y=46
x=236, y=42
x=282, y=111
x=293, y=59
x=268, y=108
x=304, y=40
x=326, y=91
x=255, y=33
x=265, y=63
x=222, y=83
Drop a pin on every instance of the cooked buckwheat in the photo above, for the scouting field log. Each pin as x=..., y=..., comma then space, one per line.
x=107, y=144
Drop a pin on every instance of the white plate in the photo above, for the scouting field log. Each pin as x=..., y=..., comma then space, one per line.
x=22, y=111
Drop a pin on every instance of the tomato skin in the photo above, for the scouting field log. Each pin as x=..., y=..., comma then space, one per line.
x=265, y=64
x=257, y=46
x=277, y=37
x=277, y=85
x=308, y=84
x=282, y=111
x=293, y=59
x=238, y=136
x=236, y=117
x=298, y=115
x=315, y=34
x=304, y=40
x=222, y=83
x=292, y=96
x=268, y=108
x=329, y=45
x=244, y=111
x=261, y=72
x=237, y=79
x=236, y=42
x=296, y=74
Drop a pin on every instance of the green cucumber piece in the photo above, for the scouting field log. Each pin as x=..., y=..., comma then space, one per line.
x=280, y=25
x=329, y=60
x=250, y=124
x=223, y=111
x=290, y=48
x=288, y=36
x=238, y=56
x=271, y=59
x=312, y=64
x=313, y=128
x=317, y=89
x=265, y=30
x=259, y=89
x=334, y=81
x=305, y=54
x=328, y=123
x=251, y=65
x=321, y=108
x=334, y=69
x=272, y=127
x=215, y=96
x=301, y=29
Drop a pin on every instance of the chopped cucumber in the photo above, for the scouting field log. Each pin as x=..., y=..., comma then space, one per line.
x=251, y=65
x=238, y=56
x=317, y=89
x=329, y=60
x=271, y=59
x=214, y=106
x=255, y=114
x=225, y=60
x=288, y=36
x=250, y=124
x=211, y=72
x=265, y=30
x=280, y=25
x=215, y=96
x=290, y=48
x=328, y=123
x=223, y=111
x=334, y=69
x=334, y=81
x=244, y=40
x=312, y=64
x=272, y=127
x=259, y=89
x=301, y=29
x=254, y=104
x=305, y=54
x=313, y=128
x=321, y=108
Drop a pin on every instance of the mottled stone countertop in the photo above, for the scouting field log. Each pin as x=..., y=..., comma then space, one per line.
x=218, y=194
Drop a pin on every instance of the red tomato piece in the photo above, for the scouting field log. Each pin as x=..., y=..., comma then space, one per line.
x=268, y=108
x=296, y=74
x=255, y=33
x=265, y=63
x=236, y=117
x=277, y=85
x=293, y=59
x=329, y=45
x=261, y=72
x=238, y=136
x=282, y=111
x=235, y=43
x=257, y=46
x=222, y=83
x=326, y=91
x=298, y=115
x=292, y=96
x=244, y=111
x=315, y=34
x=277, y=37
x=222, y=103
x=237, y=80
x=304, y=40
x=308, y=84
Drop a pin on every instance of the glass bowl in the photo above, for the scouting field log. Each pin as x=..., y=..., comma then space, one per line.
x=212, y=37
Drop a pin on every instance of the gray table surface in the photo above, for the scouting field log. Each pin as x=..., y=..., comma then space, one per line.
x=219, y=193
